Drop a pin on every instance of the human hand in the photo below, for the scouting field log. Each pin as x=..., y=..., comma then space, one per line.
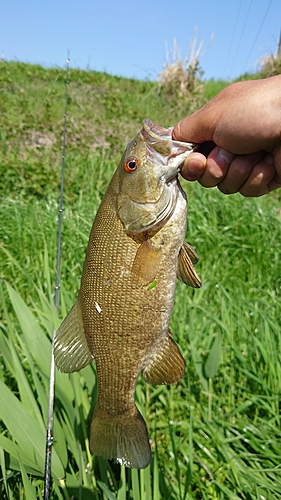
x=239, y=139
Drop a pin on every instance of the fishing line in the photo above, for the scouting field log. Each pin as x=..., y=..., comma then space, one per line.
x=242, y=32
x=257, y=34
x=49, y=436
x=232, y=37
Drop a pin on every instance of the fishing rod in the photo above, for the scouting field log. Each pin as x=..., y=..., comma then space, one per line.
x=49, y=435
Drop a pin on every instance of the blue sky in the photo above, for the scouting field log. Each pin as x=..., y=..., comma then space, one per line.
x=128, y=37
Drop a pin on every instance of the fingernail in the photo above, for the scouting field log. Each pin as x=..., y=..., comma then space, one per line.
x=195, y=166
x=225, y=155
x=192, y=169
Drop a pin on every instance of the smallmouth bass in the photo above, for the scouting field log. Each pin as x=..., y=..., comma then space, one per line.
x=136, y=251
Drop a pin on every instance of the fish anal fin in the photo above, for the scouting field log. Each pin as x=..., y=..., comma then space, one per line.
x=186, y=271
x=71, y=350
x=146, y=263
x=120, y=437
x=166, y=365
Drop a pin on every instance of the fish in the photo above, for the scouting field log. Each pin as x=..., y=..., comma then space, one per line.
x=136, y=252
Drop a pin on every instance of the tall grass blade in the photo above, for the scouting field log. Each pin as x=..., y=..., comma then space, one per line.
x=3, y=470
x=135, y=484
x=25, y=431
x=213, y=360
x=30, y=491
x=105, y=489
x=122, y=489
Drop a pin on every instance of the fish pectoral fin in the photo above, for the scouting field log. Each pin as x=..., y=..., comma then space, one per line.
x=146, y=263
x=191, y=252
x=186, y=271
x=71, y=350
x=120, y=437
x=166, y=365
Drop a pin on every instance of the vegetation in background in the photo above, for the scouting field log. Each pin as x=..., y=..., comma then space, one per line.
x=216, y=434
x=182, y=78
x=105, y=112
x=271, y=64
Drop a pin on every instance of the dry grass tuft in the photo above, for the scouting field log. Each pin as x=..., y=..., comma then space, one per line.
x=271, y=64
x=181, y=77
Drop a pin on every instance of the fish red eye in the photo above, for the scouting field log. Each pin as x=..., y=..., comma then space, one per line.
x=131, y=164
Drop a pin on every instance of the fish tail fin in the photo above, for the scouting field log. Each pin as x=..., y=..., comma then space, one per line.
x=123, y=438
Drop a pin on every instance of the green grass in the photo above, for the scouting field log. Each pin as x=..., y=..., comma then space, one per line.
x=216, y=434
x=213, y=87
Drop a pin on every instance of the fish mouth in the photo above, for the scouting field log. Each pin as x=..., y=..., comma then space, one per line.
x=163, y=149
x=158, y=138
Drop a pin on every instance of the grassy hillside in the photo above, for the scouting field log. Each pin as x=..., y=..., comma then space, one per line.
x=217, y=434
x=104, y=113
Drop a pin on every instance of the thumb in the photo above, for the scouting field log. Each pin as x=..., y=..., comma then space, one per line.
x=193, y=128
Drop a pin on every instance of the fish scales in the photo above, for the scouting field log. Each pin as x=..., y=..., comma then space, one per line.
x=135, y=252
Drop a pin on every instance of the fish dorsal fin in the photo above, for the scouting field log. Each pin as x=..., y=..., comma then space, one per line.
x=166, y=364
x=71, y=350
x=186, y=271
x=146, y=263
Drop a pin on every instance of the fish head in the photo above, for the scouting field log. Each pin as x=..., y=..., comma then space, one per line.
x=148, y=183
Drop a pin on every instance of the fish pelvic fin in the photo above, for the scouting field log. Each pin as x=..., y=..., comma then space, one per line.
x=186, y=271
x=166, y=365
x=70, y=346
x=121, y=437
